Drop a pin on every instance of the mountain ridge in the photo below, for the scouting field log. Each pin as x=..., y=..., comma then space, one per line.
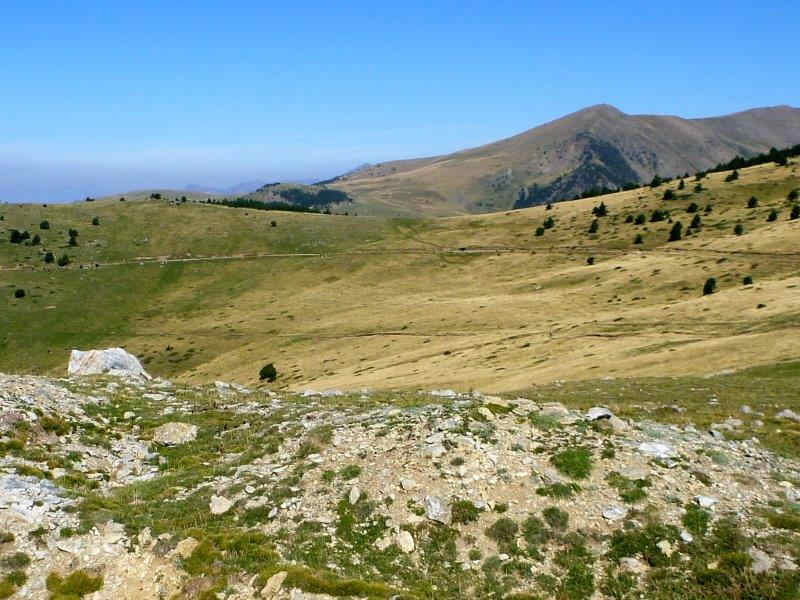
x=598, y=146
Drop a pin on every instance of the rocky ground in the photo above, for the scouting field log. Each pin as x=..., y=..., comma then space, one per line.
x=123, y=487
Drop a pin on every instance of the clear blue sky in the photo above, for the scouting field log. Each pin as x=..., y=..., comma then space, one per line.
x=100, y=97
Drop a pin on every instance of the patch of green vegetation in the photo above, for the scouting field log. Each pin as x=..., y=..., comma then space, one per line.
x=643, y=541
x=573, y=462
x=787, y=521
x=16, y=561
x=504, y=533
x=464, y=511
x=76, y=585
x=577, y=561
x=557, y=519
x=630, y=490
x=350, y=472
x=323, y=582
x=559, y=490
x=543, y=422
x=534, y=532
x=696, y=520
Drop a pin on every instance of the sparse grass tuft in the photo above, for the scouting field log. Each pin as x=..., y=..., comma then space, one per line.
x=573, y=462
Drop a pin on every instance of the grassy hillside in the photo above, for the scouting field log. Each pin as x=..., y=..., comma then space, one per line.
x=205, y=292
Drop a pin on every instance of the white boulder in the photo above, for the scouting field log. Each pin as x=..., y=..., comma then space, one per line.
x=114, y=361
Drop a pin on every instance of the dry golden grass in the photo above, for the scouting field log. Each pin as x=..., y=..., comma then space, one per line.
x=530, y=311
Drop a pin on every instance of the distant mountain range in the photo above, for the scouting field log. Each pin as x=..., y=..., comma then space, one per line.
x=239, y=189
x=597, y=147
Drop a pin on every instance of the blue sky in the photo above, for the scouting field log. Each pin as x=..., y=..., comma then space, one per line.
x=102, y=97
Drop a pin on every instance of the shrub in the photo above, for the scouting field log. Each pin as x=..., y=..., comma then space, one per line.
x=464, y=511
x=350, y=472
x=534, y=531
x=795, y=214
x=709, y=208
x=539, y=231
x=503, y=531
x=638, y=239
x=268, y=372
x=692, y=208
x=549, y=223
x=793, y=195
x=593, y=227
x=656, y=181
x=549, y=206
x=96, y=221
x=573, y=462
x=710, y=286
x=601, y=210
x=675, y=232
x=733, y=176
x=18, y=560
x=629, y=219
x=17, y=237
x=773, y=216
x=44, y=225
x=273, y=223
x=558, y=490
x=76, y=585
x=752, y=202
x=556, y=518
x=19, y=293
x=668, y=195
x=36, y=240
x=49, y=258
x=73, y=237
x=696, y=222
x=681, y=185
x=641, y=219
x=63, y=260
x=658, y=215
x=698, y=188
x=590, y=260
x=696, y=520
x=738, y=229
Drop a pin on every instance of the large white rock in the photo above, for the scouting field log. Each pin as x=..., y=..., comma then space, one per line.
x=404, y=541
x=219, y=505
x=114, y=361
x=436, y=510
x=174, y=433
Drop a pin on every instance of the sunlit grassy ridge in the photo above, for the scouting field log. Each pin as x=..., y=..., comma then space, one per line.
x=479, y=301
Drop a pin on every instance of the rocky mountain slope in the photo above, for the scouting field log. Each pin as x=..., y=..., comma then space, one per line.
x=597, y=147
x=129, y=488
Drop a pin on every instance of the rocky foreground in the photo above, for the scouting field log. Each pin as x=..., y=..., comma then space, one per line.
x=135, y=488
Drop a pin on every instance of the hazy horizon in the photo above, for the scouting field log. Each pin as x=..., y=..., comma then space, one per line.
x=107, y=99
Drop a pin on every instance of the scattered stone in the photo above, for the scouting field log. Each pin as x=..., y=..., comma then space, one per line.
x=665, y=547
x=407, y=484
x=355, y=494
x=658, y=450
x=175, y=434
x=404, y=541
x=788, y=414
x=634, y=565
x=614, y=513
x=219, y=505
x=761, y=560
x=705, y=501
x=687, y=537
x=436, y=510
x=486, y=413
x=598, y=412
x=273, y=587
